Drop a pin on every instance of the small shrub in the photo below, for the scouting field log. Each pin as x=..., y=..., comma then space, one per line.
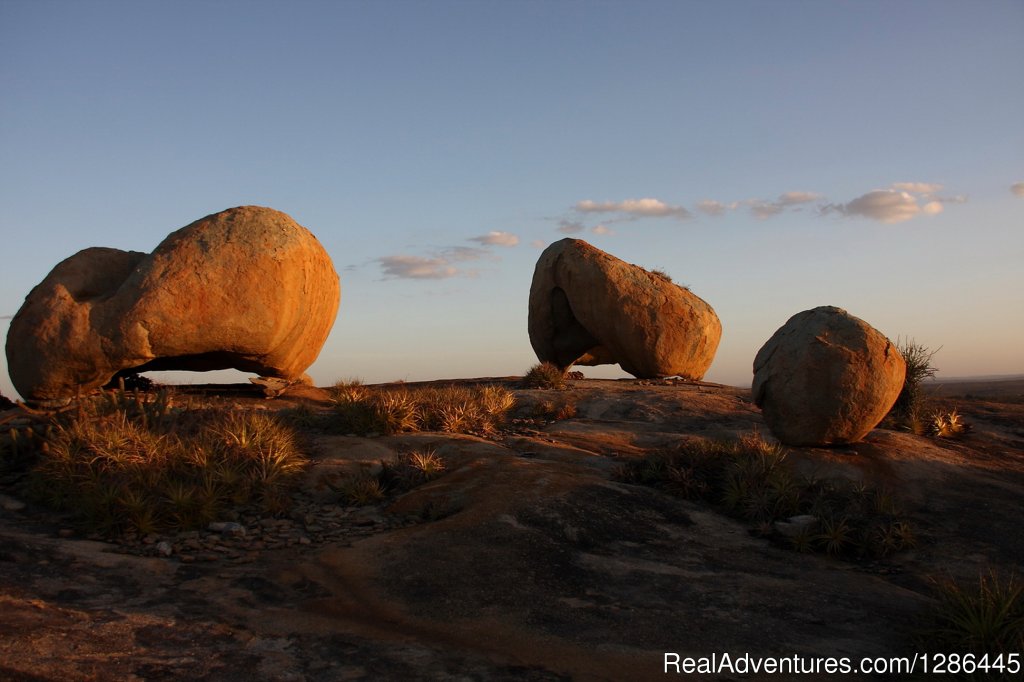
x=545, y=375
x=658, y=272
x=361, y=491
x=399, y=475
x=985, y=618
x=348, y=389
x=918, y=359
x=495, y=402
x=410, y=470
x=752, y=479
x=836, y=536
x=397, y=411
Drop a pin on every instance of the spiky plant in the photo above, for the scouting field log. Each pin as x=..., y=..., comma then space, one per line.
x=948, y=425
x=545, y=375
x=918, y=359
x=397, y=411
x=986, y=617
x=427, y=462
x=495, y=401
x=122, y=471
x=361, y=491
x=836, y=536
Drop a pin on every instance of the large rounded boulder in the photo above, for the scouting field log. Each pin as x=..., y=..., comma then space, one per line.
x=247, y=288
x=589, y=308
x=826, y=378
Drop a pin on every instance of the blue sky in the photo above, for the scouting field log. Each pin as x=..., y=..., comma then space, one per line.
x=774, y=156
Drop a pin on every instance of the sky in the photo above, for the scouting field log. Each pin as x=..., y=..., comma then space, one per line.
x=773, y=156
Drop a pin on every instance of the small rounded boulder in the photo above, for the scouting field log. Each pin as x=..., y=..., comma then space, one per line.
x=826, y=378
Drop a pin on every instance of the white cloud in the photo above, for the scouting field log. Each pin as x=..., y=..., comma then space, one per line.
x=794, y=198
x=884, y=205
x=601, y=229
x=634, y=208
x=917, y=187
x=496, y=238
x=712, y=207
x=440, y=265
x=417, y=267
x=763, y=208
x=463, y=253
x=538, y=243
x=570, y=226
x=1018, y=189
x=899, y=203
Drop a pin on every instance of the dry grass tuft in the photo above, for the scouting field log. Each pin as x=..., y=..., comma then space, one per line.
x=452, y=409
x=545, y=375
x=144, y=468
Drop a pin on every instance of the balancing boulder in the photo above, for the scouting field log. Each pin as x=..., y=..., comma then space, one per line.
x=826, y=378
x=247, y=288
x=589, y=308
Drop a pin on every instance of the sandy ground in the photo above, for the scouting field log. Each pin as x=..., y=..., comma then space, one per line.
x=538, y=565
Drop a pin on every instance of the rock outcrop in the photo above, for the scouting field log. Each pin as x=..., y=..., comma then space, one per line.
x=826, y=378
x=589, y=308
x=246, y=288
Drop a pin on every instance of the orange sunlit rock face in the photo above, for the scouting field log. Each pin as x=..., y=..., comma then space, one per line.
x=826, y=378
x=587, y=307
x=247, y=288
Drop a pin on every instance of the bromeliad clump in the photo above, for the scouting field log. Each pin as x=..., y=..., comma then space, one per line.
x=363, y=410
